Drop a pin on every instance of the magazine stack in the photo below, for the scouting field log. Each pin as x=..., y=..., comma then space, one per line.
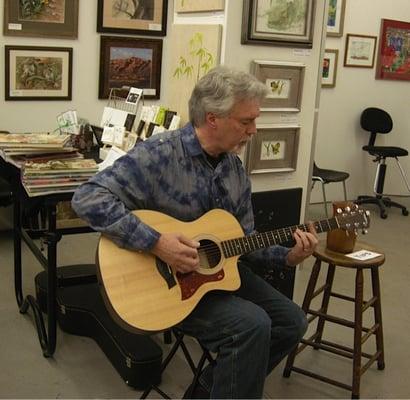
x=18, y=148
x=56, y=176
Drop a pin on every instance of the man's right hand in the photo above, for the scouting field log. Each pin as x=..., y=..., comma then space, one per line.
x=179, y=252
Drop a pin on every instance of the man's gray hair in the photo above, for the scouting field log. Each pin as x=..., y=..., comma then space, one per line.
x=219, y=90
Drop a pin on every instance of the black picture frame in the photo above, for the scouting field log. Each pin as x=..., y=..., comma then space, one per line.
x=146, y=53
x=54, y=66
x=152, y=22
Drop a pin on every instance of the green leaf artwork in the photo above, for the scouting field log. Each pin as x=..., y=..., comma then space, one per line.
x=199, y=61
x=283, y=15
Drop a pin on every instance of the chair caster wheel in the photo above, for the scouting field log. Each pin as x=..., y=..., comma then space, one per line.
x=383, y=215
x=405, y=212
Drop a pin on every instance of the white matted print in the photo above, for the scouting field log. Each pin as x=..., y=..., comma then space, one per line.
x=284, y=81
x=360, y=51
x=273, y=149
x=329, y=68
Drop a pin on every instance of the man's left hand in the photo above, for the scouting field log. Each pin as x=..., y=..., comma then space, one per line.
x=306, y=243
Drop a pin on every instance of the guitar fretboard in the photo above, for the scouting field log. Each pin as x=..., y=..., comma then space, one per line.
x=247, y=244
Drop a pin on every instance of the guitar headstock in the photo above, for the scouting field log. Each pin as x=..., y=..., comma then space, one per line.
x=353, y=218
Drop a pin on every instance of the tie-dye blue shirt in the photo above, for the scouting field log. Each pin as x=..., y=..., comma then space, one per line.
x=170, y=173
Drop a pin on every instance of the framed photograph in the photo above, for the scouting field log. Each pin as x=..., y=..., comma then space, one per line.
x=51, y=19
x=143, y=17
x=38, y=73
x=183, y=6
x=329, y=69
x=335, y=17
x=130, y=61
x=360, y=51
x=273, y=149
x=278, y=22
x=284, y=81
x=393, y=58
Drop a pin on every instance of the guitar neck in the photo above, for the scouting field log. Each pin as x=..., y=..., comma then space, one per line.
x=256, y=241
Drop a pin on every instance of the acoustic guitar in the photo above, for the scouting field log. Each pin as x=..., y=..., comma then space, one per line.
x=142, y=292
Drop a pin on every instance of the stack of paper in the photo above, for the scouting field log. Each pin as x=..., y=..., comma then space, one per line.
x=23, y=144
x=56, y=176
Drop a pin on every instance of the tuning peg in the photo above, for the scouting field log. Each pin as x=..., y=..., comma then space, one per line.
x=368, y=213
x=339, y=210
x=347, y=209
x=355, y=206
x=364, y=231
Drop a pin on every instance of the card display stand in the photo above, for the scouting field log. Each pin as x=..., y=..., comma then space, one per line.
x=81, y=311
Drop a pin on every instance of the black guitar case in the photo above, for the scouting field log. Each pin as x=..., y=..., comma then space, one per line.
x=81, y=311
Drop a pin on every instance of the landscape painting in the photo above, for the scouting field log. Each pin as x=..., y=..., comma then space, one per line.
x=130, y=62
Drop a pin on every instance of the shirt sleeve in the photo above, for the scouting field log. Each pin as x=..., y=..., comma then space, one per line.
x=107, y=200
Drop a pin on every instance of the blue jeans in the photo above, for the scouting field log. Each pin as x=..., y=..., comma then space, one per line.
x=251, y=330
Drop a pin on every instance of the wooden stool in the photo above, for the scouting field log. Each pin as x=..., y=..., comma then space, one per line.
x=338, y=259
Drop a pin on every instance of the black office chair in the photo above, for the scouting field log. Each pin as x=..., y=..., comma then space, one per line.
x=325, y=176
x=376, y=120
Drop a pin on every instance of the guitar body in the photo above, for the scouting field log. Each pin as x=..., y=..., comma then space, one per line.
x=142, y=297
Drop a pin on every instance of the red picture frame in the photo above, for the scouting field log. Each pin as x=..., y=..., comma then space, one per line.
x=393, y=60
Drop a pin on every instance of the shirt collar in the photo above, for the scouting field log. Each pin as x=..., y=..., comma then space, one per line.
x=190, y=141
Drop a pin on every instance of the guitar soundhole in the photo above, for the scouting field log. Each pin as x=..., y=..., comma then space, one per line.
x=209, y=254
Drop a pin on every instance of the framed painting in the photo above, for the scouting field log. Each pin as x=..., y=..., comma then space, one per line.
x=360, y=51
x=183, y=6
x=393, y=61
x=273, y=149
x=143, y=17
x=329, y=69
x=278, y=22
x=56, y=19
x=335, y=17
x=284, y=81
x=38, y=73
x=130, y=61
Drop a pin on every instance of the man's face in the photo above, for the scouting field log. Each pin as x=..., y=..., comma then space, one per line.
x=238, y=127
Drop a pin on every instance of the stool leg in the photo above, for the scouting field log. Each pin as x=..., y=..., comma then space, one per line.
x=378, y=316
x=305, y=307
x=325, y=302
x=357, y=346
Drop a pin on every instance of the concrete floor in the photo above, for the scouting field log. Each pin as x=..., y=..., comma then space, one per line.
x=79, y=369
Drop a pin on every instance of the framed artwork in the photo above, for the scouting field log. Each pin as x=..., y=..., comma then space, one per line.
x=335, y=17
x=273, y=149
x=360, y=51
x=278, y=22
x=145, y=17
x=393, y=61
x=38, y=73
x=329, y=69
x=57, y=19
x=284, y=81
x=130, y=61
x=183, y=6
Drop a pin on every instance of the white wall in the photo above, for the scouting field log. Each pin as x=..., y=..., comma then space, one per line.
x=339, y=136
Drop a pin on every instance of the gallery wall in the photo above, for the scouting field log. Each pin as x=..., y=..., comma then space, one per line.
x=339, y=137
x=18, y=116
